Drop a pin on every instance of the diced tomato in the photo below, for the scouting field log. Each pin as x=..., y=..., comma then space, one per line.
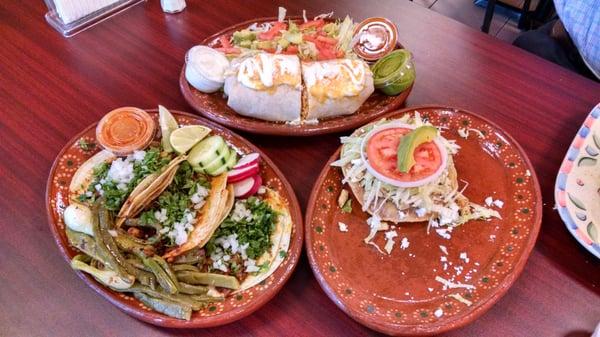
x=313, y=23
x=327, y=40
x=307, y=37
x=321, y=32
x=225, y=42
x=229, y=50
x=382, y=152
x=274, y=31
x=292, y=50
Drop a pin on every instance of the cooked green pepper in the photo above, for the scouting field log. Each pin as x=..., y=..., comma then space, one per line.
x=190, y=289
x=107, y=277
x=184, y=267
x=194, y=256
x=169, y=308
x=84, y=243
x=394, y=72
x=161, y=276
x=217, y=280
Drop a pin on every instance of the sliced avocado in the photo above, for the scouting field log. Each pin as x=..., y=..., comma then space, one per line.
x=293, y=27
x=243, y=35
x=266, y=45
x=245, y=44
x=408, y=144
x=295, y=38
x=283, y=43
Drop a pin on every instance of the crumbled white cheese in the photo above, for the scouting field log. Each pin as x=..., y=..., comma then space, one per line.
x=463, y=133
x=443, y=232
x=443, y=259
x=405, y=243
x=438, y=313
x=343, y=227
x=430, y=289
x=420, y=212
x=488, y=201
x=463, y=256
x=461, y=299
x=401, y=215
x=451, y=285
x=492, y=237
x=498, y=203
x=444, y=249
x=389, y=244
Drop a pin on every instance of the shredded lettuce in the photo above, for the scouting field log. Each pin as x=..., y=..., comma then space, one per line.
x=447, y=205
x=281, y=14
x=346, y=31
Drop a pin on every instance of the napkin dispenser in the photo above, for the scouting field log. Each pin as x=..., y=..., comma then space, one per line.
x=70, y=17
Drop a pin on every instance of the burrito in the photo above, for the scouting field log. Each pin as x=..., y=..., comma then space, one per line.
x=335, y=87
x=265, y=86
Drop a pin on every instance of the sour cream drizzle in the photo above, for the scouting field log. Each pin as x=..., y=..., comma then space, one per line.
x=339, y=70
x=266, y=70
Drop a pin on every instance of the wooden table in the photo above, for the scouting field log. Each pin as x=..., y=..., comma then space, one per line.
x=51, y=88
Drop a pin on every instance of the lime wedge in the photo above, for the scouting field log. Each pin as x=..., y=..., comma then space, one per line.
x=184, y=138
x=168, y=124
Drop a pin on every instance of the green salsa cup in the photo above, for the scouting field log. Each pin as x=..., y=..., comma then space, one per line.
x=394, y=73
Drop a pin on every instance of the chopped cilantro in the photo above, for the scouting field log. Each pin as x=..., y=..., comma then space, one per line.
x=85, y=145
x=282, y=253
x=256, y=232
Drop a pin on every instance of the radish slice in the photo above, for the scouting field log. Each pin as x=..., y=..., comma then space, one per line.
x=247, y=160
x=247, y=187
x=243, y=187
x=242, y=173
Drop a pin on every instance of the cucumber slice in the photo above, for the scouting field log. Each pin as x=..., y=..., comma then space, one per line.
x=207, y=151
x=227, y=166
x=218, y=162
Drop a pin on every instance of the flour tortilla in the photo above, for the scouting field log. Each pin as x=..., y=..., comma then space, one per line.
x=314, y=108
x=280, y=240
x=279, y=104
x=84, y=175
x=389, y=211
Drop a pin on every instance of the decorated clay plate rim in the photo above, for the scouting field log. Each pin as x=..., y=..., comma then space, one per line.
x=196, y=322
x=477, y=309
x=253, y=125
x=560, y=187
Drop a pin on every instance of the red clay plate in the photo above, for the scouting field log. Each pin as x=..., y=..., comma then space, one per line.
x=214, y=106
x=397, y=294
x=234, y=307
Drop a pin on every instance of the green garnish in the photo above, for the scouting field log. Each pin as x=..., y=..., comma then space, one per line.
x=282, y=253
x=394, y=73
x=85, y=145
x=408, y=144
x=115, y=196
x=256, y=232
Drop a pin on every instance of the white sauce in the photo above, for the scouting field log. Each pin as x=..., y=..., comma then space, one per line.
x=268, y=68
x=205, y=68
x=352, y=72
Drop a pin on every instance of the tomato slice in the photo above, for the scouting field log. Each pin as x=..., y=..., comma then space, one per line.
x=230, y=50
x=225, y=42
x=271, y=33
x=382, y=151
x=292, y=50
x=312, y=23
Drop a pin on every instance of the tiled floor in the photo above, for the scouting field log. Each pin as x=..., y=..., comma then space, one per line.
x=469, y=14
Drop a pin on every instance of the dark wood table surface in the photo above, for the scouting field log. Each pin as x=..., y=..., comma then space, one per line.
x=52, y=87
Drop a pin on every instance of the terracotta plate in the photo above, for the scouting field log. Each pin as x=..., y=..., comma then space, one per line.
x=398, y=293
x=577, y=185
x=214, y=106
x=234, y=307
